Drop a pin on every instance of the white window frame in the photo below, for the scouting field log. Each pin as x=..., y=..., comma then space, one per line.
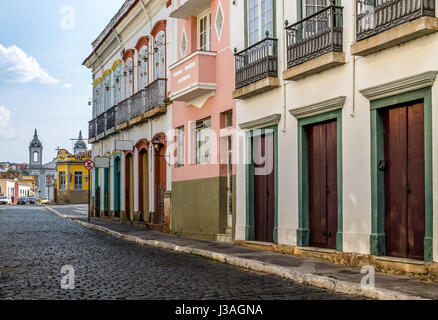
x=259, y=31
x=305, y=5
x=207, y=15
x=180, y=151
x=77, y=174
x=117, y=86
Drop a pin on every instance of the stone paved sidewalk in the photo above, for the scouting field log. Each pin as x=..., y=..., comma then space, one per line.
x=302, y=270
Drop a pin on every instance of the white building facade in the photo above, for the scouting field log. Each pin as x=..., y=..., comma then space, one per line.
x=343, y=99
x=131, y=113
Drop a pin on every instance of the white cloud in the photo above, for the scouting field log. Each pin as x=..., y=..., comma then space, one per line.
x=17, y=66
x=67, y=85
x=6, y=131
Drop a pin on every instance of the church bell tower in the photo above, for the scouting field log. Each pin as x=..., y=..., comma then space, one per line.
x=35, y=152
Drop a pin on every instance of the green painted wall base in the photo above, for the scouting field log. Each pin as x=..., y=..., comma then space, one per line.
x=339, y=241
x=303, y=237
x=200, y=207
x=428, y=249
x=378, y=244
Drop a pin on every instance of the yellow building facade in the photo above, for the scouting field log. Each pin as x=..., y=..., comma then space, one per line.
x=72, y=177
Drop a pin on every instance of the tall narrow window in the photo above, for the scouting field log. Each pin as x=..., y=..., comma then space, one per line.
x=98, y=105
x=143, y=67
x=253, y=21
x=62, y=180
x=117, y=80
x=107, y=91
x=129, y=77
x=202, y=141
x=259, y=20
x=204, y=30
x=78, y=180
x=160, y=55
x=180, y=146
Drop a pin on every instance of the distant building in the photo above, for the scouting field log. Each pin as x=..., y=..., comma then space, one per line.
x=72, y=182
x=41, y=171
x=80, y=145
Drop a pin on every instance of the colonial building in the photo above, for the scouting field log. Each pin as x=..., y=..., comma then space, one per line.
x=73, y=180
x=132, y=113
x=41, y=171
x=341, y=101
x=203, y=119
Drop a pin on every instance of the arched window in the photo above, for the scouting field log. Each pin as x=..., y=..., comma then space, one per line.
x=160, y=55
x=129, y=77
x=143, y=74
x=117, y=80
x=36, y=157
x=98, y=98
x=107, y=91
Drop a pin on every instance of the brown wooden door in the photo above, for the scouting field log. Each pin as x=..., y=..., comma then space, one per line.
x=160, y=185
x=323, y=184
x=404, y=181
x=264, y=188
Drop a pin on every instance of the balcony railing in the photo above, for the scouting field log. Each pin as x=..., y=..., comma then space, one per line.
x=155, y=94
x=386, y=14
x=315, y=36
x=138, y=103
x=100, y=124
x=92, y=129
x=257, y=62
x=123, y=111
x=111, y=118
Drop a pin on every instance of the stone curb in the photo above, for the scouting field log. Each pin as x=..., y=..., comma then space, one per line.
x=299, y=277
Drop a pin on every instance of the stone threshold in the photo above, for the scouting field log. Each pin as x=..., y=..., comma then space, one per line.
x=420, y=270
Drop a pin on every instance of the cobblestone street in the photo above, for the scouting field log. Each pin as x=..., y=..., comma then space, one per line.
x=36, y=244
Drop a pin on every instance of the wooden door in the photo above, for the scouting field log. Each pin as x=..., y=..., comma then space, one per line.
x=323, y=184
x=129, y=186
x=404, y=181
x=264, y=187
x=143, y=202
x=160, y=185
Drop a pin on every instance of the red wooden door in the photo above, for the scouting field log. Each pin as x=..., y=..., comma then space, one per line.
x=323, y=184
x=160, y=185
x=264, y=187
x=404, y=181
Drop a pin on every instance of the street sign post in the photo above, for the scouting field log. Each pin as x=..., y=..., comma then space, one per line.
x=89, y=165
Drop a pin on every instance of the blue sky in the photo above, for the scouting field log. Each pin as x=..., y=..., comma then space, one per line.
x=43, y=84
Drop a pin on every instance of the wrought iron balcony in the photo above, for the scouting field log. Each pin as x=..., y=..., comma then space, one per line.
x=257, y=62
x=315, y=36
x=138, y=104
x=155, y=94
x=100, y=124
x=123, y=111
x=386, y=14
x=111, y=118
x=92, y=129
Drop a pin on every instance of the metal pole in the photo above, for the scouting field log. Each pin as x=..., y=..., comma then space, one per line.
x=89, y=197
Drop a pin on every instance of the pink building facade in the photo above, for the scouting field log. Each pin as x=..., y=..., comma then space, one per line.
x=203, y=117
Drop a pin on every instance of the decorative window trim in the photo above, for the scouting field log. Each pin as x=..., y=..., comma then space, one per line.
x=319, y=108
x=130, y=53
x=262, y=122
x=143, y=41
x=418, y=81
x=219, y=32
x=159, y=26
x=183, y=35
x=274, y=22
x=115, y=64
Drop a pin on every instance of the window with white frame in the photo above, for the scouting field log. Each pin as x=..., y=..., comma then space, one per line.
x=98, y=105
x=180, y=151
x=259, y=20
x=129, y=77
x=78, y=180
x=107, y=91
x=202, y=141
x=204, y=31
x=117, y=80
x=313, y=6
x=160, y=55
x=62, y=180
x=143, y=67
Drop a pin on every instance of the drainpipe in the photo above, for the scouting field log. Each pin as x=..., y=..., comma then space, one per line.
x=146, y=12
x=284, y=67
x=353, y=95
